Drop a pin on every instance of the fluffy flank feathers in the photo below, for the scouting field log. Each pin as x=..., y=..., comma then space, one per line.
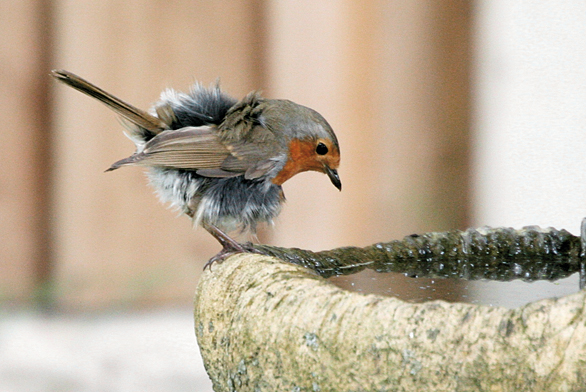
x=201, y=106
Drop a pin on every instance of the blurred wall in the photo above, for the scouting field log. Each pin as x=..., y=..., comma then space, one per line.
x=392, y=78
x=25, y=151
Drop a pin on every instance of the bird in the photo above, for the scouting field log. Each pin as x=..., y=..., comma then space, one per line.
x=219, y=160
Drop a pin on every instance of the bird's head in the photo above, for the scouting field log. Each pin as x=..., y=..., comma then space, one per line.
x=309, y=139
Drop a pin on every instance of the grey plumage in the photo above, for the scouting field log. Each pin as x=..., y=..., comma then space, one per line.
x=219, y=196
x=228, y=203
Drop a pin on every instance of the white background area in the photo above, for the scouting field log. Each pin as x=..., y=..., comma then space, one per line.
x=530, y=114
x=529, y=143
x=151, y=351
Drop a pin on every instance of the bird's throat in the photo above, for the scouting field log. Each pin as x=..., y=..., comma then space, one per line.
x=301, y=158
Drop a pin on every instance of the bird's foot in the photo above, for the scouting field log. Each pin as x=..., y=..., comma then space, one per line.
x=229, y=246
x=231, y=250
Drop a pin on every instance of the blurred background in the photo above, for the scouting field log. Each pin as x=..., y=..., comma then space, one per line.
x=450, y=114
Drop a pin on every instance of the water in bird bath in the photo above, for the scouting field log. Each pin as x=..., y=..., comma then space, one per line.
x=508, y=294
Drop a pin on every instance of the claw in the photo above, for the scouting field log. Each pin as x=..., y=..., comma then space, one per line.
x=229, y=246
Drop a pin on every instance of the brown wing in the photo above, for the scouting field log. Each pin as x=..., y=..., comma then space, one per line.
x=255, y=150
x=200, y=149
x=189, y=148
x=256, y=155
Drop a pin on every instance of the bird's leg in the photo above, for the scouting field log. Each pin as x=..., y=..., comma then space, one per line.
x=229, y=245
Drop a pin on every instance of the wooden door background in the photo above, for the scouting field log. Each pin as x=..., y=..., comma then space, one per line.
x=391, y=77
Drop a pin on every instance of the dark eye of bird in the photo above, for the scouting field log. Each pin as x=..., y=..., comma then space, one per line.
x=321, y=149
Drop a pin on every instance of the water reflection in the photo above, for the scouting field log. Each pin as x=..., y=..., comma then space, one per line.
x=518, y=293
x=507, y=294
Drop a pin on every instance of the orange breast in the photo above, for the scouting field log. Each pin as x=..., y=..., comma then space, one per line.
x=302, y=158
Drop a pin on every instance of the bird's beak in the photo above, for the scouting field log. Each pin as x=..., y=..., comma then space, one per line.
x=334, y=177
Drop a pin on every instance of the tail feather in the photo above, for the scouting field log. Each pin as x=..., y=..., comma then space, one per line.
x=129, y=112
x=131, y=160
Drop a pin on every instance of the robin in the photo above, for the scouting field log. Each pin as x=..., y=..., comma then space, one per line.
x=222, y=161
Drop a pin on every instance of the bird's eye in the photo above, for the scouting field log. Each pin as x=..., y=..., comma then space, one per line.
x=321, y=149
